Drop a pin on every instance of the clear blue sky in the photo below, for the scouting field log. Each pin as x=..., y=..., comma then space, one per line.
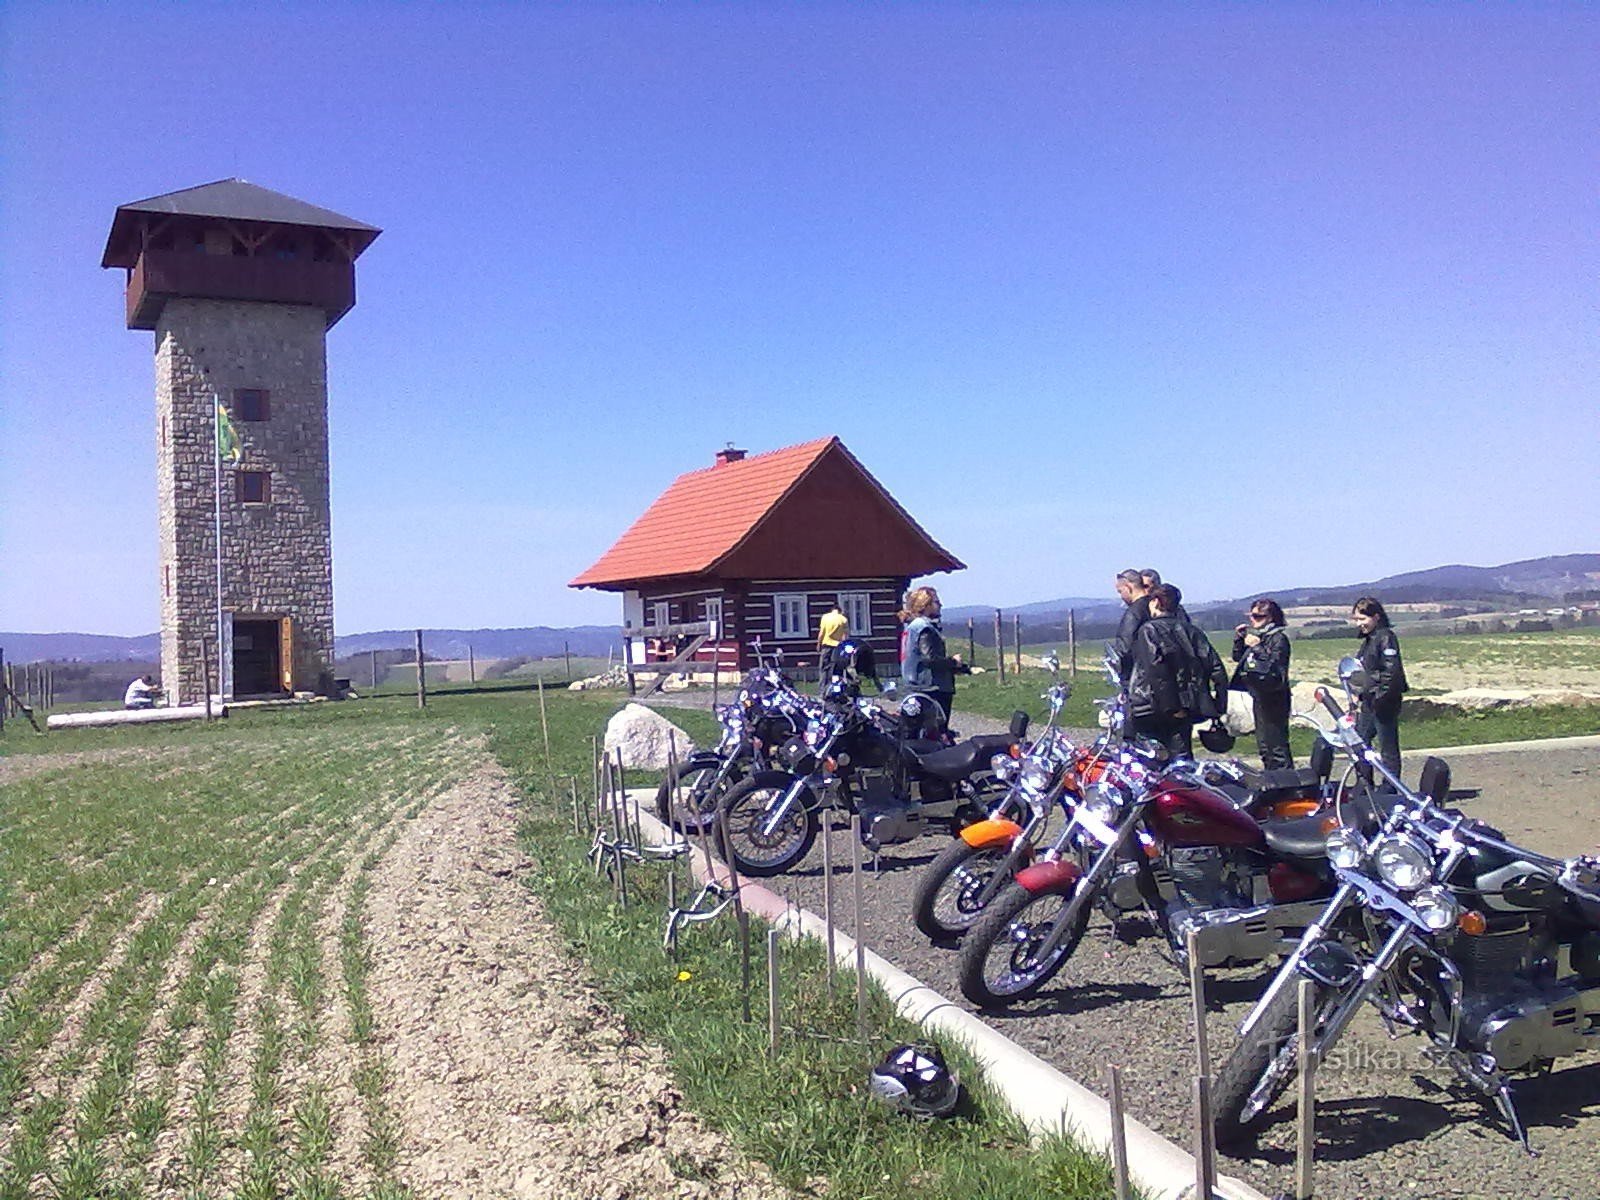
x=1262, y=295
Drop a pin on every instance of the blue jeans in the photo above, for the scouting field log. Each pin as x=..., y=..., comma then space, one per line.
x=1380, y=727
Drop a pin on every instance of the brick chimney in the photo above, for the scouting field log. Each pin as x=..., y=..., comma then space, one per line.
x=728, y=455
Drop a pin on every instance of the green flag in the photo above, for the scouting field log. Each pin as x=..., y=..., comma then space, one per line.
x=228, y=448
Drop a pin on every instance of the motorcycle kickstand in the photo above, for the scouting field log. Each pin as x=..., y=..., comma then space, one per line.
x=1508, y=1109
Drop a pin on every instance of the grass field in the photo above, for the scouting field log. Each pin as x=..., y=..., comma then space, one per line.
x=185, y=953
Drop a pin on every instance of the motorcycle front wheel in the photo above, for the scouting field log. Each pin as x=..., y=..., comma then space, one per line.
x=1001, y=961
x=740, y=834
x=947, y=900
x=688, y=800
x=1262, y=1065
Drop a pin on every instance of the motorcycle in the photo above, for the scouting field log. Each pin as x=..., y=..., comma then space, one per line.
x=1447, y=930
x=1046, y=779
x=767, y=711
x=889, y=767
x=1189, y=844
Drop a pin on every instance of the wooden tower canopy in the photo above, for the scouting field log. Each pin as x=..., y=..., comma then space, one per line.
x=233, y=240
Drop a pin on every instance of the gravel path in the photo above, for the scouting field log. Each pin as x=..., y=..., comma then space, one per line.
x=1388, y=1124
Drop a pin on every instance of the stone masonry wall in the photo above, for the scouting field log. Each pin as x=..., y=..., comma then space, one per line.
x=277, y=557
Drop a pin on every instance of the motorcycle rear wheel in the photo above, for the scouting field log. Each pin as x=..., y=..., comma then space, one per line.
x=945, y=903
x=999, y=958
x=1268, y=1054
x=743, y=811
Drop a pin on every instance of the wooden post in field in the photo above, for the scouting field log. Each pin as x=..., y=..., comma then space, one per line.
x=627, y=662
x=999, y=646
x=544, y=723
x=1119, y=1138
x=205, y=672
x=1305, y=1142
x=1072, y=642
x=1016, y=640
x=566, y=654
x=422, y=675
x=972, y=644
x=472, y=667
x=373, y=656
x=3, y=700
x=772, y=991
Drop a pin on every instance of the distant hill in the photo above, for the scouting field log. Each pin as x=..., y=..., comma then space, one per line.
x=1556, y=577
x=539, y=641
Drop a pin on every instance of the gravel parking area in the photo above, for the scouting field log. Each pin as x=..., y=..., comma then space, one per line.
x=1389, y=1124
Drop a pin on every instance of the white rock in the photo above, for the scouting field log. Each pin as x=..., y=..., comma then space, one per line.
x=644, y=737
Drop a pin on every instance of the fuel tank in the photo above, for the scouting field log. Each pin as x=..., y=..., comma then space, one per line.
x=1182, y=815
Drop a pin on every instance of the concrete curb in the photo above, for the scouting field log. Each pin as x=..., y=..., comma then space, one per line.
x=1043, y=1098
x=1580, y=742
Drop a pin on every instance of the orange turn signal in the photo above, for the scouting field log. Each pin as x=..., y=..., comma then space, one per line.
x=1471, y=922
x=830, y=765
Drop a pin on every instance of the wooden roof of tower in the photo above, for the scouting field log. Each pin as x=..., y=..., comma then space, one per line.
x=230, y=200
x=806, y=511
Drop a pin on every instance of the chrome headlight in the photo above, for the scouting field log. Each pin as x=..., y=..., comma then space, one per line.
x=1437, y=908
x=1005, y=767
x=1036, y=776
x=1103, y=801
x=1346, y=849
x=1403, y=862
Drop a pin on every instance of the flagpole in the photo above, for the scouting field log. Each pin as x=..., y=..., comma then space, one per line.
x=216, y=463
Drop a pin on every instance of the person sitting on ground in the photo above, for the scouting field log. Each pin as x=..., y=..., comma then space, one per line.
x=1261, y=648
x=141, y=693
x=1177, y=678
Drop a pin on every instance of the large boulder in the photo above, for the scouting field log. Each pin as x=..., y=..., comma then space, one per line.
x=645, y=738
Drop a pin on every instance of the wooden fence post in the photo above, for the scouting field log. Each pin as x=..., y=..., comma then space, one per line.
x=3, y=700
x=422, y=672
x=972, y=644
x=999, y=646
x=566, y=653
x=1016, y=640
x=205, y=673
x=373, y=655
x=1072, y=642
x=472, y=667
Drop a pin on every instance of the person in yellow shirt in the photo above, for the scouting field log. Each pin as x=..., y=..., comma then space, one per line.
x=831, y=630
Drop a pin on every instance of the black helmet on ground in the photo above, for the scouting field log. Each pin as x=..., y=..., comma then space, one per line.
x=915, y=1080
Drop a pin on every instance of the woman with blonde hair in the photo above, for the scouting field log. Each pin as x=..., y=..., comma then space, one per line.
x=925, y=668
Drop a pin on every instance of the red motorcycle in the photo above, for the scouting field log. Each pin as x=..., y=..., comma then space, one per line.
x=1193, y=845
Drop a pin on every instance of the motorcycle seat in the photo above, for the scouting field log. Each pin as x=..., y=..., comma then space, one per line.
x=960, y=760
x=1281, y=784
x=1297, y=837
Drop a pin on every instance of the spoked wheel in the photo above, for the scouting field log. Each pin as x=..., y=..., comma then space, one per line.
x=1262, y=1065
x=742, y=835
x=948, y=899
x=691, y=805
x=1002, y=960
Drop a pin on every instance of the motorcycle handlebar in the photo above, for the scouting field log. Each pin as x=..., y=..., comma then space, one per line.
x=1329, y=703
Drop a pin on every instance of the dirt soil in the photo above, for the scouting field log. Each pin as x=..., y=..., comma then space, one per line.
x=511, y=1078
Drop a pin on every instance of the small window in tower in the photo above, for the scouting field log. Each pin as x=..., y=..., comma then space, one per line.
x=253, y=487
x=251, y=404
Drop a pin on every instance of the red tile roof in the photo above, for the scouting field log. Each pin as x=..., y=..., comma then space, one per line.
x=707, y=514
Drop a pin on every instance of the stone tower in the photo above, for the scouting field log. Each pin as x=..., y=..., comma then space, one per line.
x=240, y=285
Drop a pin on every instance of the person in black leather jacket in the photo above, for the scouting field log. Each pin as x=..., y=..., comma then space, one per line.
x=1261, y=648
x=1177, y=677
x=1378, y=715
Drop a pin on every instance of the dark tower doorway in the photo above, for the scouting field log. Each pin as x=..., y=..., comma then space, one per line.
x=257, y=658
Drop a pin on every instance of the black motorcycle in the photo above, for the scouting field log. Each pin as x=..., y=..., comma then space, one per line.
x=765, y=714
x=1490, y=951
x=891, y=767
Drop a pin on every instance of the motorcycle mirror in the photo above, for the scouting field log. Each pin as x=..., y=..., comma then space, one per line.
x=1353, y=673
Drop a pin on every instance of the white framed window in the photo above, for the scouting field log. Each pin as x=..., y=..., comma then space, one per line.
x=714, y=616
x=658, y=614
x=789, y=615
x=857, y=608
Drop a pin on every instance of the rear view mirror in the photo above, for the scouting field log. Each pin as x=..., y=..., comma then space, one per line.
x=1019, y=725
x=1353, y=673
